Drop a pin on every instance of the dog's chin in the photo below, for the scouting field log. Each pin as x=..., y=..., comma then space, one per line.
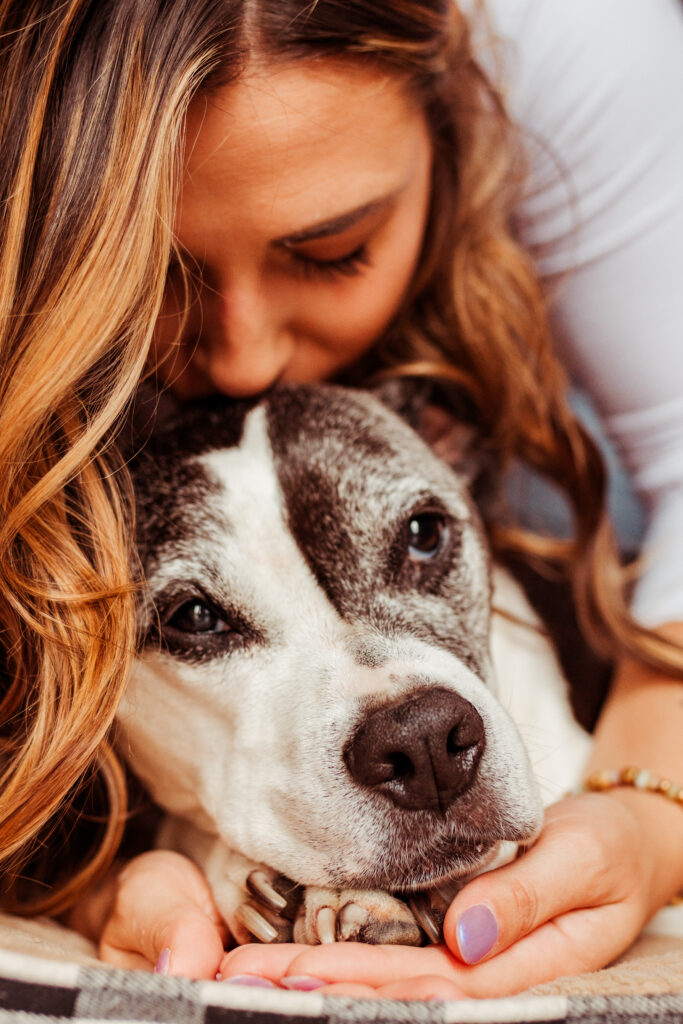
x=407, y=864
x=406, y=869
x=463, y=860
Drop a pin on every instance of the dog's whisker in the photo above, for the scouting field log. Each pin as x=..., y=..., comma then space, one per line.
x=326, y=925
x=259, y=885
x=255, y=923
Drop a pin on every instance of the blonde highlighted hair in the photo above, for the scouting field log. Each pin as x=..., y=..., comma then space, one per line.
x=90, y=124
x=91, y=113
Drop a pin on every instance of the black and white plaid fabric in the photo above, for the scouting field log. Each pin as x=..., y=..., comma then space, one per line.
x=34, y=991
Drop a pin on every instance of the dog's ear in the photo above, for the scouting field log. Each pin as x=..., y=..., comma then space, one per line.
x=445, y=418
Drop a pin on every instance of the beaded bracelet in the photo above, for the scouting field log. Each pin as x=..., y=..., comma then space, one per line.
x=636, y=777
x=603, y=780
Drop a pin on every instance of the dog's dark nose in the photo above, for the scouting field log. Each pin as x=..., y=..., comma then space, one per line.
x=422, y=753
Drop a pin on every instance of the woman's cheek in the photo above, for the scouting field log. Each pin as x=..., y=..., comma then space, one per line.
x=352, y=320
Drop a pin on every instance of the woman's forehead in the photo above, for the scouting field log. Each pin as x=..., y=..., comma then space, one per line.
x=298, y=143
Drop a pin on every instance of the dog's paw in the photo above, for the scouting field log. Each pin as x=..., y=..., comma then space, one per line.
x=269, y=913
x=355, y=915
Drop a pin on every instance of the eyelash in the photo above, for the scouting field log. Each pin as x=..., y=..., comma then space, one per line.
x=348, y=266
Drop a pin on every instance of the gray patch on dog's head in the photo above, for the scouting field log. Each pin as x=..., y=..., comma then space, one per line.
x=172, y=490
x=352, y=474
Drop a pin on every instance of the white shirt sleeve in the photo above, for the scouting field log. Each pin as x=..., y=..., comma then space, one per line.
x=597, y=88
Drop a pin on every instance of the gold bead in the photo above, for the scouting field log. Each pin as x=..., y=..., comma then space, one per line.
x=599, y=781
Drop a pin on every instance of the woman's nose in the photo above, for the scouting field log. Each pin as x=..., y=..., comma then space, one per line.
x=246, y=344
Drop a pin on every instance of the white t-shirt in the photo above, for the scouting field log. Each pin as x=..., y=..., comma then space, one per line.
x=599, y=85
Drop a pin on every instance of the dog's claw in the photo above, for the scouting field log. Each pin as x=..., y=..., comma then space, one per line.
x=276, y=900
x=350, y=920
x=326, y=922
x=256, y=924
x=259, y=886
x=429, y=907
x=430, y=923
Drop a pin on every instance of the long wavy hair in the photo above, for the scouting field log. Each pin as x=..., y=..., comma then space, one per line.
x=91, y=117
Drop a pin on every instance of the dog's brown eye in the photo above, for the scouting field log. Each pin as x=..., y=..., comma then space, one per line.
x=196, y=617
x=425, y=535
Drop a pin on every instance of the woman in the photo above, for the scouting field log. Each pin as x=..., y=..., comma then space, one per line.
x=231, y=193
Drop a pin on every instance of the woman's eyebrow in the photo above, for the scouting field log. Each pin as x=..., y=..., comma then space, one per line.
x=335, y=225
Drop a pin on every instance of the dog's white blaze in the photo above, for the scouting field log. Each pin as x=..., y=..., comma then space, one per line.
x=251, y=744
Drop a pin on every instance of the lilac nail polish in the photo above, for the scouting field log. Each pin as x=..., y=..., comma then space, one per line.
x=253, y=980
x=163, y=962
x=477, y=931
x=302, y=983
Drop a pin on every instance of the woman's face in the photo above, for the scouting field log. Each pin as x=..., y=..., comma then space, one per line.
x=303, y=207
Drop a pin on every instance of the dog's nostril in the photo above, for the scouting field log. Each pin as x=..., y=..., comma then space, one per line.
x=401, y=765
x=452, y=745
x=421, y=754
x=460, y=738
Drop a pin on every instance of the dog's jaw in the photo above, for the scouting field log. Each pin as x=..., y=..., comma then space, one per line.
x=246, y=740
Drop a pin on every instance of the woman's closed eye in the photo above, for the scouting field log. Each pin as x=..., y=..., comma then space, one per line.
x=340, y=253
x=350, y=265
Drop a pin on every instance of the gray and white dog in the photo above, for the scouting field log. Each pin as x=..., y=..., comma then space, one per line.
x=323, y=703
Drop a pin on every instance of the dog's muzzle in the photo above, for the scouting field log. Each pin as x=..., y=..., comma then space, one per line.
x=422, y=753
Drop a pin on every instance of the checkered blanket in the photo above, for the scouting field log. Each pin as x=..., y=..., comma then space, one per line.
x=39, y=991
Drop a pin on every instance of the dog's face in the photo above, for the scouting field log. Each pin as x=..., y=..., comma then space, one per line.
x=315, y=682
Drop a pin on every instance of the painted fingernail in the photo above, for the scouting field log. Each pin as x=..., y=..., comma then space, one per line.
x=302, y=983
x=477, y=931
x=254, y=980
x=163, y=962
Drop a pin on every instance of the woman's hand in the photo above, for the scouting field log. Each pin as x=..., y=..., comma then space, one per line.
x=157, y=912
x=571, y=904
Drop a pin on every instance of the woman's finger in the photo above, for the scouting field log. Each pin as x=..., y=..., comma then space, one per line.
x=425, y=988
x=578, y=942
x=351, y=991
x=164, y=918
x=580, y=861
x=350, y=969
x=373, y=965
x=264, y=961
x=339, y=962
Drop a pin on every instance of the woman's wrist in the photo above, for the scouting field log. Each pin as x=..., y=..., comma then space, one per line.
x=642, y=725
x=657, y=835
